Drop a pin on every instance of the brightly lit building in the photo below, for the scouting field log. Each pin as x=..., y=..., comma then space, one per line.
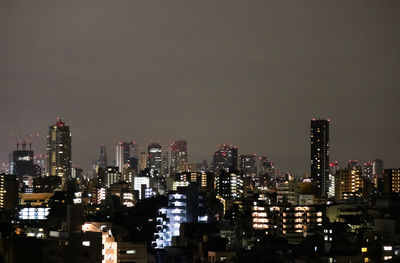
x=228, y=185
x=34, y=206
x=59, y=150
x=204, y=178
x=154, y=159
x=350, y=183
x=184, y=206
x=332, y=178
x=140, y=184
x=112, y=176
x=292, y=222
x=34, y=213
x=331, y=185
x=101, y=195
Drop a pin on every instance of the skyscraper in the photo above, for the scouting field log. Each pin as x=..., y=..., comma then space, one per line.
x=319, y=134
x=23, y=163
x=101, y=162
x=154, y=158
x=225, y=158
x=125, y=151
x=142, y=161
x=248, y=164
x=267, y=172
x=179, y=158
x=122, y=151
x=112, y=176
x=377, y=172
x=59, y=150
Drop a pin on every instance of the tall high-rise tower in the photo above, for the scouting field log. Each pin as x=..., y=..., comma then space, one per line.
x=248, y=164
x=59, y=150
x=179, y=156
x=225, y=158
x=101, y=162
x=320, y=155
x=154, y=158
x=125, y=151
x=122, y=151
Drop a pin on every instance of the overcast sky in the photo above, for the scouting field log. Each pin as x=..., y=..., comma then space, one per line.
x=248, y=73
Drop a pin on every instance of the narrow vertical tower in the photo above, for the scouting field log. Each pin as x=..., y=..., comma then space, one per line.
x=59, y=150
x=179, y=156
x=319, y=134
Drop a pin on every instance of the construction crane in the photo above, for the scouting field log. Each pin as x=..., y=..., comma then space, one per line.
x=24, y=141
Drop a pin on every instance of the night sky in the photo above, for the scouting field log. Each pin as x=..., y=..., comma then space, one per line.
x=248, y=73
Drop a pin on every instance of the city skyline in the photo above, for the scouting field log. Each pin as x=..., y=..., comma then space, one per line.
x=199, y=131
x=209, y=157
x=252, y=77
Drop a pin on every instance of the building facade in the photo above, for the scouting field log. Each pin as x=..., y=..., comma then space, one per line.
x=225, y=158
x=319, y=135
x=59, y=150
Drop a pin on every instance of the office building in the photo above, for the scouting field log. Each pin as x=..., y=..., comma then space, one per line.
x=142, y=162
x=112, y=176
x=248, y=164
x=22, y=163
x=101, y=162
x=319, y=135
x=59, y=150
x=179, y=157
x=267, y=173
x=154, y=159
x=125, y=153
x=225, y=158
x=122, y=152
